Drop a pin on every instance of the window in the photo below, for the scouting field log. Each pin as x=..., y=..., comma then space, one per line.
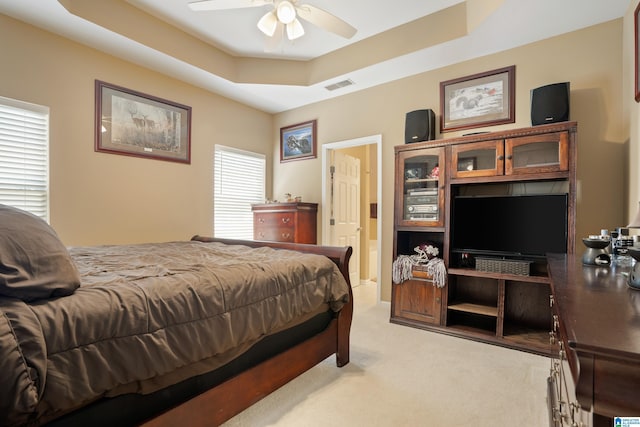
x=238, y=181
x=24, y=156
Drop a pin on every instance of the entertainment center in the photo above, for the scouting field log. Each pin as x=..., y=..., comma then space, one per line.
x=494, y=204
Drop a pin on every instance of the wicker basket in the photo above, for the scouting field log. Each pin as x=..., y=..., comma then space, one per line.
x=508, y=266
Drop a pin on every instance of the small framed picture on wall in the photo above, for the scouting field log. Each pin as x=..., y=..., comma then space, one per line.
x=298, y=142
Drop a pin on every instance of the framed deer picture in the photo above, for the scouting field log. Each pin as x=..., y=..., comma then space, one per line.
x=136, y=124
x=298, y=142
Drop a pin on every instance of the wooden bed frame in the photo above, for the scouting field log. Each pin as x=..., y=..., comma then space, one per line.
x=231, y=397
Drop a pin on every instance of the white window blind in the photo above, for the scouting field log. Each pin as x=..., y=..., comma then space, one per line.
x=24, y=156
x=238, y=181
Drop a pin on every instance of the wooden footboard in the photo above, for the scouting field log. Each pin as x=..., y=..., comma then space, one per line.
x=221, y=403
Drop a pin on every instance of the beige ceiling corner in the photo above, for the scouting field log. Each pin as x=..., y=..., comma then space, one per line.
x=479, y=10
x=428, y=31
x=122, y=18
x=129, y=21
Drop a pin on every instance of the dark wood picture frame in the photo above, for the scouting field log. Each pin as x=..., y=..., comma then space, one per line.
x=132, y=123
x=298, y=142
x=483, y=99
x=636, y=46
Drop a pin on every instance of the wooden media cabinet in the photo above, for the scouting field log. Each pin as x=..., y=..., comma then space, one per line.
x=494, y=297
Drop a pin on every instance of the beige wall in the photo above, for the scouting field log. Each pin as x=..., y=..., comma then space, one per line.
x=590, y=59
x=103, y=198
x=631, y=116
x=99, y=198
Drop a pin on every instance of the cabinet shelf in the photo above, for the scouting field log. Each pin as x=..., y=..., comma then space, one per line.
x=537, y=165
x=416, y=180
x=468, y=307
x=420, y=229
x=542, y=176
x=470, y=272
x=527, y=337
x=470, y=330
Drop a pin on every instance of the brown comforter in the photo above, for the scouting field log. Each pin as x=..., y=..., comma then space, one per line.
x=147, y=316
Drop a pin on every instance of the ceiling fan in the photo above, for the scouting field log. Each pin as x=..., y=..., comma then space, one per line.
x=284, y=14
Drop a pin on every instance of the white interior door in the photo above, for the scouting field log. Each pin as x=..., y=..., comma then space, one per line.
x=345, y=220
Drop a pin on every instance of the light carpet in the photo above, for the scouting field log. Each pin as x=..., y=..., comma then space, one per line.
x=401, y=376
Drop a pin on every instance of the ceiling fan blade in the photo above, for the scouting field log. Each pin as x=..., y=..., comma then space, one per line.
x=295, y=29
x=268, y=23
x=272, y=43
x=200, y=5
x=325, y=20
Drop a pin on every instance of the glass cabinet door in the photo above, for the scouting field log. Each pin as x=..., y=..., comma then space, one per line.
x=538, y=153
x=420, y=177
x=477, y=159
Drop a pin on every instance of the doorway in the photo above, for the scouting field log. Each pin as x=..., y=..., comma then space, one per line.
x=370, y=229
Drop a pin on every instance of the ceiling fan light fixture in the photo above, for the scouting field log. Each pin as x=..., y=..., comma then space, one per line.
x=268, y=23
x=286, y=12
x=295, y=30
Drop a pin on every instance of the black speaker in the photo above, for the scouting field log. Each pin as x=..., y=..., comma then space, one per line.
x=550, y=104
x=420, y=125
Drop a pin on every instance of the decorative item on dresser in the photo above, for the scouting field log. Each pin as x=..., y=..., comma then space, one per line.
x=293, y=222
x=470, y=197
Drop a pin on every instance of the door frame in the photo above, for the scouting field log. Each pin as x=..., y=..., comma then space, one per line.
x=326, y=206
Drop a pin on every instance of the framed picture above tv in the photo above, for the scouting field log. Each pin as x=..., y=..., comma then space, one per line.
x=483, y=99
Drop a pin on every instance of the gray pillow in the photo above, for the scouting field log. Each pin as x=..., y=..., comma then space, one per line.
x=34, y=264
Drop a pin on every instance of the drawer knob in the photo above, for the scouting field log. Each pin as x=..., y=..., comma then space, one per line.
x=285, y=220
x=261, y=220
x=286, y=235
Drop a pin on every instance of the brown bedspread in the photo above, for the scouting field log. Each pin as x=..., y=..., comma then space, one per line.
x=150, y=315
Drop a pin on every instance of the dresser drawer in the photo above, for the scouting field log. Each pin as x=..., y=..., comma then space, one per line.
x=262, y=220
x=278, y=234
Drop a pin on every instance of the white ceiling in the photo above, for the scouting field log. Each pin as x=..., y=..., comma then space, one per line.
x=513, y=23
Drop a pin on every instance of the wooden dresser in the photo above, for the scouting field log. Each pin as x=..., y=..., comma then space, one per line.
x=597, y=324
x=285, y=222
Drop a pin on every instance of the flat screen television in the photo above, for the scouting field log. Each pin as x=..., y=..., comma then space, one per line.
x=522, y=225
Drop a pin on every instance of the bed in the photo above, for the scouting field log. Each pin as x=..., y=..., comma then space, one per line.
x=151, y=334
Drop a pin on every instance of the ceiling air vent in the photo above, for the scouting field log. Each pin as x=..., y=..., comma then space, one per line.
x=339, y=85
